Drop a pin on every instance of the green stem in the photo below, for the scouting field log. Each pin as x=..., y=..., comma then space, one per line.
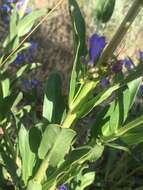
x=42, y=169
x=122, y=30
x=70, y=118
x=85, y=91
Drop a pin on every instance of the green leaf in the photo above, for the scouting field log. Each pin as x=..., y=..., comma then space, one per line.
x=33, y=185
x=27, y=156
x=5, y=87
x=50, y=133
x=85, y=180
x=53, y=106
x=13, y=24
x=61, y=146
x=114, y=118
x=27, y=22
x=133, y=88
x=6, y=105
x=134, y=136
x=35, y=137
x=97, y=100
x=97, y=127
x=70, y=168
x=58, y=144
x=104, y=9
x=78, y=25
x=129, y=126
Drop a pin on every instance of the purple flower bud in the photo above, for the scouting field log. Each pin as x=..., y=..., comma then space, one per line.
x=19, y=4
x=34, y=83
x=26, y=85
x=96, y=45
x=19, y=59
x=28, y=10
x=104, y=82
x=128, y=63
x=117, y=67
x=62, y=187
x=33, y=45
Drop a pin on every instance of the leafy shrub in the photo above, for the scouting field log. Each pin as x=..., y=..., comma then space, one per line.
x=43, y=152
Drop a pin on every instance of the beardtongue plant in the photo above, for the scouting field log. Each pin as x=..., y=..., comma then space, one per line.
x=45, y=154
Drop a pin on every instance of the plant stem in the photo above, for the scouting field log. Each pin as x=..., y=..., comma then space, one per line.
x=70, y=118
x=42, y=169
x=122, y=30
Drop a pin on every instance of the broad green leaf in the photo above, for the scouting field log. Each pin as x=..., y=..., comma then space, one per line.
x=65, y=171
x=48, y=138
x=129, y=126
x=35, y=137
x=56, y=142
x=61, y=146
x=33, y=185
x=85, y=180
x=53, y=106
x=134, y=136
x=27, y=22
x=97, y=100
x=70, y=168
x=27, y=156
x=78, y=25
x=133, y=88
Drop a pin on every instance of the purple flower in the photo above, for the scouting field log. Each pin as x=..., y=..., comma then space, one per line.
x=29, y=85
x=104, y=82
x=33, y=45
x=19, y=59
x=10, y=1
x=19, y=4
x=96, y=46
x=118, y=67
x=6, y=8
x=128, y=63
x=34, y=83
x=28, y=10
x=62, y=187
x=26, y=85
x=141, y=56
